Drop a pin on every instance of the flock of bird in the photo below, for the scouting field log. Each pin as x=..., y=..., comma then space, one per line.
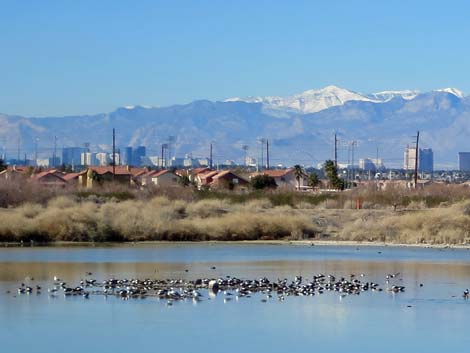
x=173, y=290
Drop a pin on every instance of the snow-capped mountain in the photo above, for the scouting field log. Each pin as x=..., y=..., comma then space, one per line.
x=311, y=101
x=316, y=100
x=310, y=120
x=385, y=96
x=456, y=92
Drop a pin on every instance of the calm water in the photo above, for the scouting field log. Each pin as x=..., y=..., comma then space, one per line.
x=437, y=321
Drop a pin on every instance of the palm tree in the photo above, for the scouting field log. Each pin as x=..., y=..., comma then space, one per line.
x=313, y=180
x=299, y=173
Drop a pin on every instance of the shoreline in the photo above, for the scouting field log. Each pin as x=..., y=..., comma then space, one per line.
x=313, y=242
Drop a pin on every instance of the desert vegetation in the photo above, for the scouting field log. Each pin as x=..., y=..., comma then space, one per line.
x=67, y=219
x=444, y=225
x=437, y=214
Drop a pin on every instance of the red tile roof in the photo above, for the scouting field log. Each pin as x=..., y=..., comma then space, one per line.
x=208, y=175
x=161, y=172
x=138, y=171
x=197, y=171
x=70, y=176
x=223, y=173
x=276, y=173
x=51, y=172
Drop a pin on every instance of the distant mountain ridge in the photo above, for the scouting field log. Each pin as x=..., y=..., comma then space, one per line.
x=315, y=100
x=299, y=127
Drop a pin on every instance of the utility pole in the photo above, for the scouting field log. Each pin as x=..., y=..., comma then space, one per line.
x=262, y=140
x=19, y=147
x=210, y=156
x=54, y=156
x=164, y=145
x=336, y=151
x=36, y=151
x=416, y=160
x=114, y=154
x=407, y=160
x=267, y=154
x=353, y=144
x=4, y=154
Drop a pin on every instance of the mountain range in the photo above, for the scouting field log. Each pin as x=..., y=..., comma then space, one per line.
x=300, y=128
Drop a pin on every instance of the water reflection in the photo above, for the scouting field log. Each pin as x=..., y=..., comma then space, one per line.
x=429, y=318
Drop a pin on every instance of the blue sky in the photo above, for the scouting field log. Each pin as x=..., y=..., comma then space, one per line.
x=78, y=57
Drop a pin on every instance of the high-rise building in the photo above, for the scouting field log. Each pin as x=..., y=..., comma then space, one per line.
x=42, y=162
x=72, y=155
x=116, y=158
x=88, y=159
x=409, y=158
x=54, y=161
x=464, y=161
x=137, y=154
x=426, y=160
x=102, y=159
x=127, y=157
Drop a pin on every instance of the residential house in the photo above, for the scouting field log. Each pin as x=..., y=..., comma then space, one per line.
x=122, y=174
x=99, y=175
x=71, y=178
x=285, y=178
x=146, y=178
x=165, y=178
x=205, y=178
x=50, y=178
x=14, y=173
x=192, y=174
x=228, y=180
x=220, y=179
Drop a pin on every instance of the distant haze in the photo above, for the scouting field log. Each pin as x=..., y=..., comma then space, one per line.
x=300, y=127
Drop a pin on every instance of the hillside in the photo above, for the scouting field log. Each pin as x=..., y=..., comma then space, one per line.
x=387, y=120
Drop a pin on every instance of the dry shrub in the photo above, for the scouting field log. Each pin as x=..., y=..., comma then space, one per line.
x=208, y=208
x=251, y=226
x=432, y=226
x=75, y=223
x=30, y=210
x=157, y=219
x=63, y=202
x=257, y=205
x=397, y=194
x=66, y=218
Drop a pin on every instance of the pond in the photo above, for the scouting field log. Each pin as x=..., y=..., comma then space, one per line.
x=431, y=315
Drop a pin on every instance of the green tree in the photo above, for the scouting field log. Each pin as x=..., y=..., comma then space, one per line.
x=263, y=181
x=184, y=180
x=29, y=171
x=299, y=174
x=331, y=172
x=313, y=180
